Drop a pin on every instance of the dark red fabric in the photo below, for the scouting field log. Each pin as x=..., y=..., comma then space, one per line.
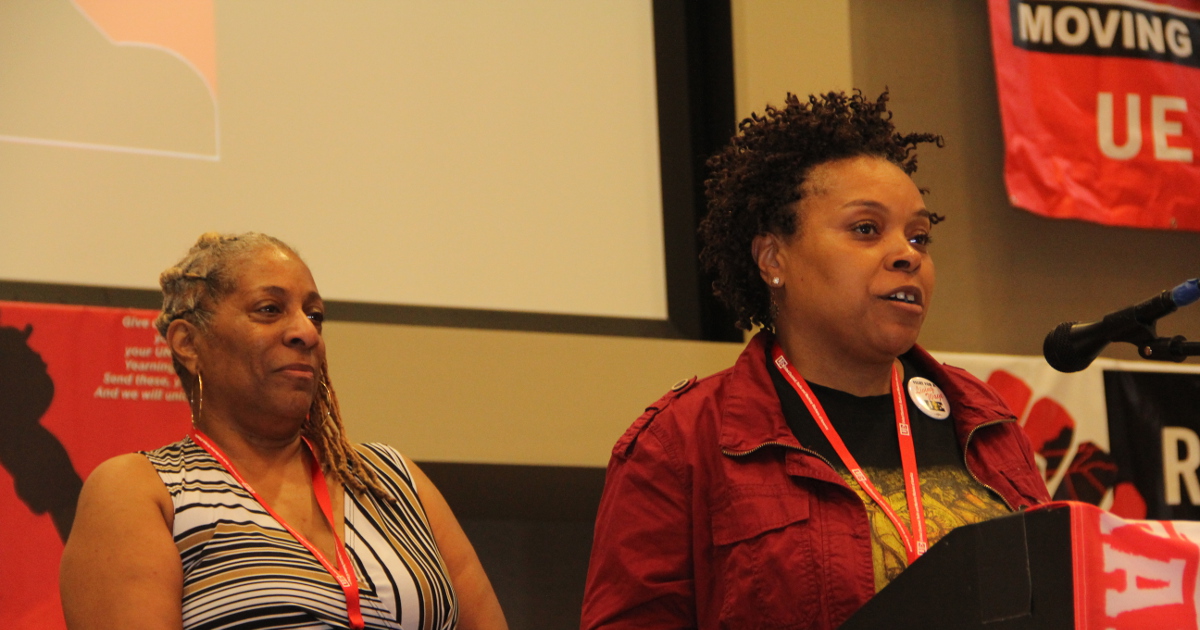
x=713, y=517
x=1064, y=159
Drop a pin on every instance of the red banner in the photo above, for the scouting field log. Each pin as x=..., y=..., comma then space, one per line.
x=1100, y=103
x=78, y=385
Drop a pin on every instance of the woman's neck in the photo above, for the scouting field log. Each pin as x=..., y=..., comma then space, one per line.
x=822, y=364
x=251, y=451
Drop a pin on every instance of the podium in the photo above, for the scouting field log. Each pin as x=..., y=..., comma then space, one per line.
x=1060, y=566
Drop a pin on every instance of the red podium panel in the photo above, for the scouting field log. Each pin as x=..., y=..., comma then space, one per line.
x=1063, y=565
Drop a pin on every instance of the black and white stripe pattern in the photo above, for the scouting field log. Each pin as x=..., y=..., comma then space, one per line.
x=242, y=569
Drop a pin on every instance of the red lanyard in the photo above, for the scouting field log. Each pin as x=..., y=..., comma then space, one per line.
x=908, y=456
x=345, y=576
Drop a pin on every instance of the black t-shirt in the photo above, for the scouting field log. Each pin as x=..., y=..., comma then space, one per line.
x=867, y=425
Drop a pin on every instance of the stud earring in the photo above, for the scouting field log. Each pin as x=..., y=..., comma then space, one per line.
x=775, y=281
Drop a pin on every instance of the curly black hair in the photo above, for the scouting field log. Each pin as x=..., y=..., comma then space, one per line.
x=757, y=177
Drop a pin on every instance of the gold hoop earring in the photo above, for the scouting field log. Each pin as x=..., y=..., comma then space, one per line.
x=198, y=404
x=328, y=399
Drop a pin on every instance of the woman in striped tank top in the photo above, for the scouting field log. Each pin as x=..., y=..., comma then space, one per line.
x=264, y=516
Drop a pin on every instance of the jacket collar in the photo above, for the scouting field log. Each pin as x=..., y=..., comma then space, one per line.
x=972, y=402
x=752, y=417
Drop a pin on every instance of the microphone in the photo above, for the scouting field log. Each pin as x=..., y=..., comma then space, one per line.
x=1072, y=346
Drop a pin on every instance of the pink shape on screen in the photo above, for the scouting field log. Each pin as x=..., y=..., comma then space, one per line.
x=184, y=27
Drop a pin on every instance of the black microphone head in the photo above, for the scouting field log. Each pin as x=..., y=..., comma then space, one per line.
x=1072, y=346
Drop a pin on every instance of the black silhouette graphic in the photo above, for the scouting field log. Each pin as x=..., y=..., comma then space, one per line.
x=40, y=467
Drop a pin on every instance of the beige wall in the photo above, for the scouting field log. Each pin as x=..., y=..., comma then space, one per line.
x=1005, y=277
x=782, y=46
x=446, y=394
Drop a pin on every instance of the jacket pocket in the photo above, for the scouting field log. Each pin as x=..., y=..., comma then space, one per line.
x=764, y=559
x=748, y=511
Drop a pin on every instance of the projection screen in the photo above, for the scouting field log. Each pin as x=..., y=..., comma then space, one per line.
x=501, y=156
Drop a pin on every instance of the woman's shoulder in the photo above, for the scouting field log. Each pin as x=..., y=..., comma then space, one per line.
x=379, y=450
x=123, y=467
x=181, y=460
x=125, y=478
x=693, y=401
x=143, y=464
x=386, y=460
x=689, y=407
x=174, y=452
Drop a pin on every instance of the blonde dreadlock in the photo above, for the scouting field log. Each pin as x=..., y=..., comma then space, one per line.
x=191, y=290
x=324, y=428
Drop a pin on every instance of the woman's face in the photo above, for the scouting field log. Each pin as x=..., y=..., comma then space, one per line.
x=260, y=357
x=856, y=279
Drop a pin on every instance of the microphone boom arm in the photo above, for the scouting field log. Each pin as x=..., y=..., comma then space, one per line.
x=1175, y=349
x=1072, y=346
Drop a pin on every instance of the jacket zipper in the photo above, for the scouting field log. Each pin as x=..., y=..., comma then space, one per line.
x=785, y=445
x=967, y=465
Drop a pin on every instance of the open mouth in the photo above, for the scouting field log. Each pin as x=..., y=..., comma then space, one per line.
x=904, y=296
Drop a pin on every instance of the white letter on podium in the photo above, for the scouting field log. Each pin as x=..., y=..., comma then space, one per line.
x=1148, y=582
x=1174, y=468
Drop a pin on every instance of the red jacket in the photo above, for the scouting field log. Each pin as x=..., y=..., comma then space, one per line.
x=714, y=516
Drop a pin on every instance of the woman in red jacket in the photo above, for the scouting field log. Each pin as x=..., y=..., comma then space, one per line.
x=788, y=489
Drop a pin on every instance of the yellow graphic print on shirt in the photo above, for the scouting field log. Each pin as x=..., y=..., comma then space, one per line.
x=950, y=496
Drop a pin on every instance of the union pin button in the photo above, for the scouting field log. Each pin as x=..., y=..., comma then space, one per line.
x=929, y=398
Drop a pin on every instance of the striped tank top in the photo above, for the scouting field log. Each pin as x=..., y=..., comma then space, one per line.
x=242, y=569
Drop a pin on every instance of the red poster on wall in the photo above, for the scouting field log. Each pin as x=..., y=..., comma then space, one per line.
x=78, y=385
x=1100, y=103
